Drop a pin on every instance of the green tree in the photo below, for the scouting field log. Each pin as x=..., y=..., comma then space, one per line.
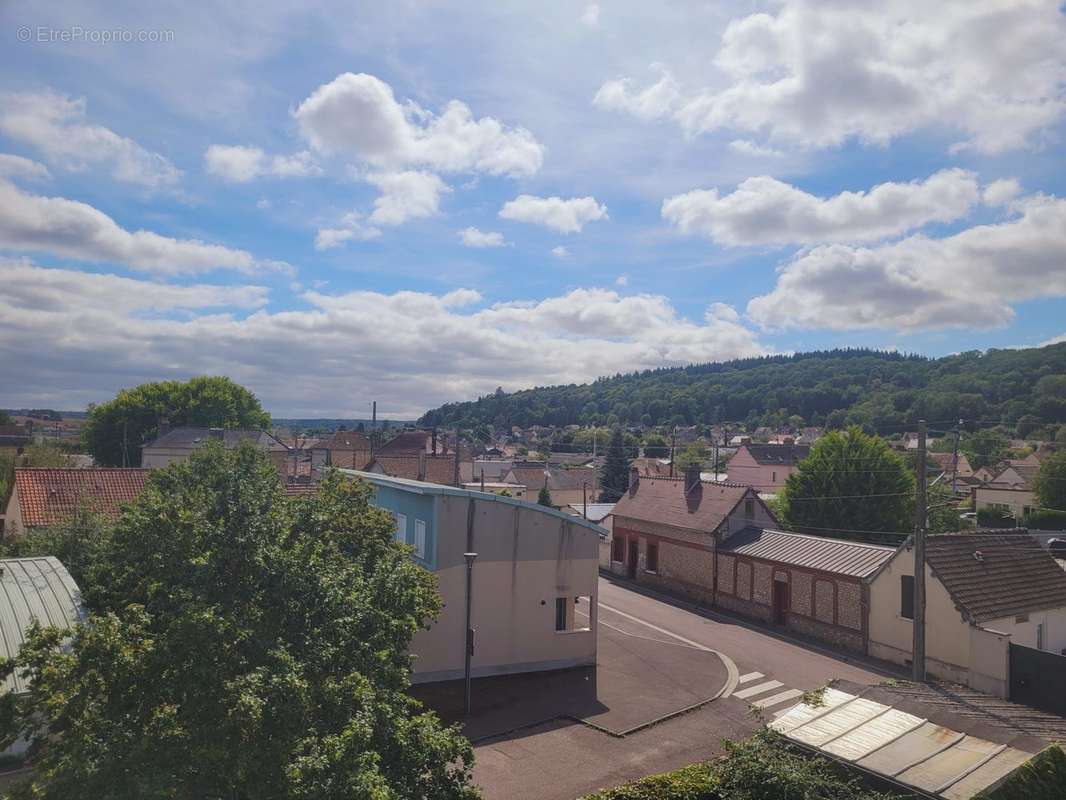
x=693, y=453
x=544, y=497
x=132, y=417
x=1051, y=482
x=77, y=542
x=614, y=479
x=985, y=448
x=5, y=418
x=851, y=481
x=242, y=646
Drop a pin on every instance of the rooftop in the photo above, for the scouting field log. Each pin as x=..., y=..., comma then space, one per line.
x=995, y=575
x=230, y=437
x=665, y=501
x=49, y=495
x=778, y=453
x=838, y=556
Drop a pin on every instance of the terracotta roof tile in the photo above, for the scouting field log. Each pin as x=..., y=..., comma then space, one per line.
x=439, y=469
x=664, y=500
x=48, y=496
x=996, y=575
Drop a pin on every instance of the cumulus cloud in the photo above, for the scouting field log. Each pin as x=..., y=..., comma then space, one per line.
x=560, y=251
x=12, y=166
x=359, y=116
x=472, y=237
x=56, y=126
x=622, y=280
x=564, y=216
x=1001, y=192
x=969, y=279
x=764, y=210
x=410, y=194
x=240, y=164
x=819, y=74
x=76, y=230
x=746, y=147
x=409, y=350
x=653, y=102
x=352, y=227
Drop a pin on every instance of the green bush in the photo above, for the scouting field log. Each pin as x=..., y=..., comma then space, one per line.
x=1046, y=520
x=991, y=518
x=1043, y=778
x=694, y=782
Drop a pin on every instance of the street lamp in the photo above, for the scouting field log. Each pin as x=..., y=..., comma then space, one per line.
x=469, y=631
x=585, y=500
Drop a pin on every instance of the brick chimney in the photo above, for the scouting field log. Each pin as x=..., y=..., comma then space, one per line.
x=692, y=477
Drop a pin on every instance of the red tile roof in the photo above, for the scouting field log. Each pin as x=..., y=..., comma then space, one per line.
x=48, y=496
x=439, y=469
x=664, y=500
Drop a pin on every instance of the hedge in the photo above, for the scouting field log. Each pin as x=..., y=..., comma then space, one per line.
x=694, y=782
x=1046, y=520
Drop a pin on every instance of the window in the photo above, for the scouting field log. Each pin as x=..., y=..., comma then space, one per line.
x=618, y=549
x=749, y=508
x=401, y=528
x=1040, y=636
x=773, y=477
x=1027, y=510
x=906, y=596
x=561, y=607
x=651, y=560
x=420, y=538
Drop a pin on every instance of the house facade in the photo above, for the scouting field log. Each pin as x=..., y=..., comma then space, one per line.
x=766, y=466
x=534, y=581
x=1011, y=490
x=984, y=591
x=178, y=444
x=344, y=449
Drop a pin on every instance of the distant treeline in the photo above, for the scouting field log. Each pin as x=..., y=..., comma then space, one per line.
x=1025, y=389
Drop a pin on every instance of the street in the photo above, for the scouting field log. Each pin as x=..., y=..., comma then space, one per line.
x=564, y=758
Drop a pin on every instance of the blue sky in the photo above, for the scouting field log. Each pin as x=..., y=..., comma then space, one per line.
x=416, y=202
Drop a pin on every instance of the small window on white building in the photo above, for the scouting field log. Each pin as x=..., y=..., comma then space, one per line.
x=420, y=538
x=401, y=528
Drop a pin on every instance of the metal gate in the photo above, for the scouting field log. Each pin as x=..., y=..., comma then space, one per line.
x=1038, y=679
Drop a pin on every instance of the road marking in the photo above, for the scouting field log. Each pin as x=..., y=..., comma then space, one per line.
x=758, y=689
x=732, y=673
x=780, y=697
x=750, y=677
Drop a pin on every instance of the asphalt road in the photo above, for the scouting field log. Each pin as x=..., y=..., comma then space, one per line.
x=564, y=759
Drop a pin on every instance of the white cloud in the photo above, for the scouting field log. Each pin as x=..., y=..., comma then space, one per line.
x=12, y=166
x=1001, y=192
x=591, y=16
x=1053, y=340
x=657, y=100
x=472, y=237
x=621, y=280
x=819, y=74
x=746, y=147
x=414, y=349
x=969, y=279
x=358, y=115
x=764, y=210
x=564, y=216
x=405, y=195
x=560, y=252
x=351, y=227
x=55, y=125
x=76, y=230
x=240, y=164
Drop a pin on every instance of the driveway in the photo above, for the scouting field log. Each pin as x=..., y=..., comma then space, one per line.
x=556, y=736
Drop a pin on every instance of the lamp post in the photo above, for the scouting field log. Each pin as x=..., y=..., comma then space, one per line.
x=469, y=632
x=584, y=500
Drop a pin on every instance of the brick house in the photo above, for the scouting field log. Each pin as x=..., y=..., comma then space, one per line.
x=666, y=530
x=766, y=466
x=45, y=496
x=810, y=584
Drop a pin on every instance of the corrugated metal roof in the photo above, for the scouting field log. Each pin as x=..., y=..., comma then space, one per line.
x=34, y=588
x=857, y=559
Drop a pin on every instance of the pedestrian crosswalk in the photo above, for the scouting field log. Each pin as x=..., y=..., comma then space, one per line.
x=753, y=684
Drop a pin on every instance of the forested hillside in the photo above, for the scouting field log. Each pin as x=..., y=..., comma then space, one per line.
x=1024, y=388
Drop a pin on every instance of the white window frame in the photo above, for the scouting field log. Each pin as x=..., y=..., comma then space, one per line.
x=401, y=527
x=420, y=538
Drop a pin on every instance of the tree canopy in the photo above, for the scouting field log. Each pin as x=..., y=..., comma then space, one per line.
x=835, y=388
x=241, y=645
x=850, y=482
x=132, y=418
x=1051, y=482
x=544, y=497
x=614, y=479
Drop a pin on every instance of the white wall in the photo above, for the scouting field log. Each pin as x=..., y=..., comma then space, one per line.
x=1024, y=633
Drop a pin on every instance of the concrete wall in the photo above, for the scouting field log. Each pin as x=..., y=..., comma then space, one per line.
x=527, y=557
x=153, y=457
x=1024, y=631
x=13, y=515
x=989, y=661
x=947, y=637
x=1016, y=499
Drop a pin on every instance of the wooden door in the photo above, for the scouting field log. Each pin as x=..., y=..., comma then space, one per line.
x=780, y=602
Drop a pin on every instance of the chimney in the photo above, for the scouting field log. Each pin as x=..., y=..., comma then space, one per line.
x=692, y=477
x=634, y=479
x=433, y=447
x=422, y=466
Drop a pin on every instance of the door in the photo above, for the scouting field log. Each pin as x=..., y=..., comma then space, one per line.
x=780, y=602
x=631, y=562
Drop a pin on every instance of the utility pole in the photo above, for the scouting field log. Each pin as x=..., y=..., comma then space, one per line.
x=673, y=437
x=955, y=459
x=714, y=436
x=920, y=511
x=455, y=476
x=125, y=445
